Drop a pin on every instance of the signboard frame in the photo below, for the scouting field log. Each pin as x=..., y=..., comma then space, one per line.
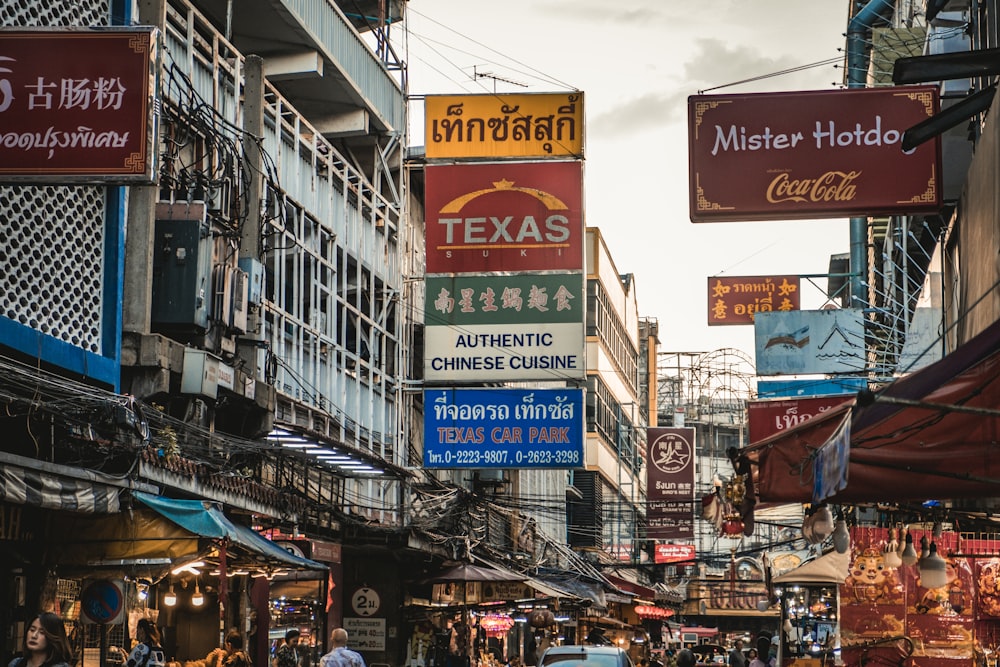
x=734, y=300
x=78, y=106
x=500, y=125
x=503, y=427
x=670, y=457
x=504, y=216
x=811, y=154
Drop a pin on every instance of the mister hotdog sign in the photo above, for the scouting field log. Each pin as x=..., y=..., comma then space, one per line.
x=813, y=154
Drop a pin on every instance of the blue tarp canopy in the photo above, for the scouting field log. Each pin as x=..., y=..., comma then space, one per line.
x=206, y=519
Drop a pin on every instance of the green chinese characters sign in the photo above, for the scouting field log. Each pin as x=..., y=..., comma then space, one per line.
x=522, y=298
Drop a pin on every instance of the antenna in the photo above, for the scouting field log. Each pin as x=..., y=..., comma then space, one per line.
x=476, y=74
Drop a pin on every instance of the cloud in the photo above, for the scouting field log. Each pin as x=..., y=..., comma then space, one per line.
x=633, y=14
x=714, y=63
x=717, y=62
x=652, y=110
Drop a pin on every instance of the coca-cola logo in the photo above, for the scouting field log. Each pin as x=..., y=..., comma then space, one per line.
x=831, y=186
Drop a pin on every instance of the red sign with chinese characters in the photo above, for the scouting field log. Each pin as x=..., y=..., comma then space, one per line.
x=735, y=299
x=521, y=216
x=674, y=553
x=811, y=154
x=670, y=483
x=765, y=418
x=76, y=105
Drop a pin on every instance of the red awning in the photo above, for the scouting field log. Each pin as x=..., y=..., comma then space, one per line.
x=644, y=592
x=932, y=434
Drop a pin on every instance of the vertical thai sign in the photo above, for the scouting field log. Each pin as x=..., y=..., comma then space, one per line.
x=670, y=483
x=77, y=105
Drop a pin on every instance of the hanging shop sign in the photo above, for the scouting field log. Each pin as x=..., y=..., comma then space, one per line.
x=735, y=299
x=766, y=418
x=811, y=154
x=503, y=428
x=508, y=216
x=76, y=106
x=810, y=341
x=670, y=483
x=497, y=125
x=674, y=553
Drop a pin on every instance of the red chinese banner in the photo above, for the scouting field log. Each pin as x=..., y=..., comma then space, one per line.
x=735, y=299
x=513, y=216
x=765, y=418
x=76, y=106
x=812, y=154
x=670, y=483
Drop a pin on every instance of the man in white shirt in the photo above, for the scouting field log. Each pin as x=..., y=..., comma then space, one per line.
x=340, y=655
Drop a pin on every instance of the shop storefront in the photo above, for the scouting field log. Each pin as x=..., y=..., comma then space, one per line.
x=485, y=623
x=181, y=563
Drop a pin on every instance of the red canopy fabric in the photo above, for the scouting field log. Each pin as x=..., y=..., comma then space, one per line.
x=947, y=447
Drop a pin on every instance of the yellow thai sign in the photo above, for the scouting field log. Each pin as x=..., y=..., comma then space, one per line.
x=534, y=125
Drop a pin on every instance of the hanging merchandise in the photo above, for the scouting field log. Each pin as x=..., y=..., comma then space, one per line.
x=541, y=618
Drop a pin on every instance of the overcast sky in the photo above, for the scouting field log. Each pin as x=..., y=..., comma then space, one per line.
x=637, y=61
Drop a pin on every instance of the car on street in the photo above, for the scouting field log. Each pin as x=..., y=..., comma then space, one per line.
x=585, y=655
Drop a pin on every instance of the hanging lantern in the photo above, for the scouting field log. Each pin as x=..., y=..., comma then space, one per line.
x=541, y=618
x=732, y=527
x=651, y=612
x=496, y=625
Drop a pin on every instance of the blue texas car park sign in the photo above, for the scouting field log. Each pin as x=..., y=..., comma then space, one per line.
x=503, y=428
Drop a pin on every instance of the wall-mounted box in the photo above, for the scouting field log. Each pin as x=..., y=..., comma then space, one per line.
x=255, y=279
x=182, y=269
x=204, y=373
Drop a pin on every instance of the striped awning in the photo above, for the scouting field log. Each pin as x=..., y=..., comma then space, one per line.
x=21, y=486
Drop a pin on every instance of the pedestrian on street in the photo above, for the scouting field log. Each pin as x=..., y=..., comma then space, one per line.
x=147, y=652
x=287, y=654
x=736, y=657
x=45, y=643
x=685, y=658
x=232, y=655
x=340, y=655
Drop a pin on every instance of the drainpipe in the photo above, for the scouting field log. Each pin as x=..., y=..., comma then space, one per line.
x=858, y=36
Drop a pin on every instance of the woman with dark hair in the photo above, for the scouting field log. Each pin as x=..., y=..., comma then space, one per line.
x=45, y=643
x=232, y=655
x=147, y=651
